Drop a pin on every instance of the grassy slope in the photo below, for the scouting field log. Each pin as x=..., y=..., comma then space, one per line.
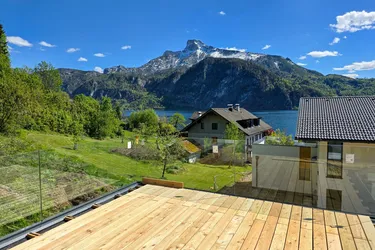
x=198, y=176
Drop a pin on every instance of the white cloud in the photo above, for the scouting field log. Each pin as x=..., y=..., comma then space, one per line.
x=126, y=47
x=19, y=41
x=222, y=13
x=351, y=75
x=345, y=37
x=72, y=50
x=99, y=55
x=301, y=64
x=98, y=69
x=354, y=21
x=302, y=57
x=82, y=59
x=358, y=66
x=325, y=53
x=235, y=49
x=335, y=40
x=266, y=47
x=317, y=61
x=45, y=44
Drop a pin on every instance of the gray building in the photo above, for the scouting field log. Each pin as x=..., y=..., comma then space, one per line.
x=212, y=124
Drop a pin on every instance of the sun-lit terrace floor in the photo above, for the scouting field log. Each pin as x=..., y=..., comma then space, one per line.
x=154, y=217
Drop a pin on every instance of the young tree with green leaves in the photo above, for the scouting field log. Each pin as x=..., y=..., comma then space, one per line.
x=232, y=132
x=49, y=75
x=177, y=120
x=168, y=144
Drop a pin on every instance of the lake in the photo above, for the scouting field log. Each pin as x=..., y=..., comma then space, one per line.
x=285, y=120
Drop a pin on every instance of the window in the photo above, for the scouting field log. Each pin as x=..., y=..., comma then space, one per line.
x=334, y=160
x=333, y=199
x=214, y=126
x=202, y=125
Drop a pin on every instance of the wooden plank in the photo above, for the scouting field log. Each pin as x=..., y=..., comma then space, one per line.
x=275, y=209
x=319, y=230
x=362, y=244
x=175, y=234
x=190, y=231
x=369, y=229
x=319, y=236
x=89, y=217
x=228, y=233
x=356, y=227
x=61, y=234
x=108, y=234
x=245, y=207
x=264, y=210
x=135, y=232
x=243, y=230
x=265, y=238
x=333, y=241
x=278, y=241
x=330, y=222
x=253, y=236
x=294, y=228
x=306, y=238
x=296, y=213
x=214, y=234
x=162, y=231
x=195, y=241
x=229, y=202
x=285, y=214
x=346, y=237
x=164, y=183
x=134, y=218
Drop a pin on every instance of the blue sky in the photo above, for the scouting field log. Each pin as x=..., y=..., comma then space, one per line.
x=292, y=28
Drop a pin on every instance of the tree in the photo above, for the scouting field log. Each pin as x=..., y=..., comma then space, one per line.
x=279, y=137
x=232, y=132
x=177, y=120
x=4, y=53
x=168, y=144
x=49, y=75
x=77, y=131
x=147, y=117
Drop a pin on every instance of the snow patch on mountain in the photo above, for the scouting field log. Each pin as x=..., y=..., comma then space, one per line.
x=194, y=52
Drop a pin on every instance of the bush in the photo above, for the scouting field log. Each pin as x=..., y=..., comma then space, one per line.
x=175, y=169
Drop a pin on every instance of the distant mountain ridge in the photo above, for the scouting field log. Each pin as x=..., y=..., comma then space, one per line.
x=202, y=76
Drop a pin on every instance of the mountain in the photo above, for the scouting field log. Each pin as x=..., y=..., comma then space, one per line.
x=202, y=76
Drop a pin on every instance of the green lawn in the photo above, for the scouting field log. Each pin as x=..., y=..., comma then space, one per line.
x=98, y=153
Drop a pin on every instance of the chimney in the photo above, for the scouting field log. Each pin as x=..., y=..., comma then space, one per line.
x=237, y=107
x=230, y=107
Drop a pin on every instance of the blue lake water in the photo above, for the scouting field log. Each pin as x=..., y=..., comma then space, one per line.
x=285, y=120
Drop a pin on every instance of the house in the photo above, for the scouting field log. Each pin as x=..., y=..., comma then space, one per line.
x=332, y=163
x=212, y=124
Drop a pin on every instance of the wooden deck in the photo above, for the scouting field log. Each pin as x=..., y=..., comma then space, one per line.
x=154, y=217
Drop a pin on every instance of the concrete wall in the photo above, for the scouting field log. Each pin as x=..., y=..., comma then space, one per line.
x=196, y=131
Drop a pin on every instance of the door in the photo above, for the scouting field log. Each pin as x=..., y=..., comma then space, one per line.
x=305, y=163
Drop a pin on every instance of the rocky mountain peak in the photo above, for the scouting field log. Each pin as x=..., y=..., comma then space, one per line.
x=192, y=45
